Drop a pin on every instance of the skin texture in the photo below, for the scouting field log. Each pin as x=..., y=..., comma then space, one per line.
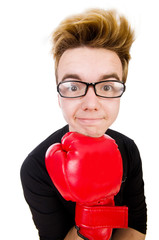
x=89, y=115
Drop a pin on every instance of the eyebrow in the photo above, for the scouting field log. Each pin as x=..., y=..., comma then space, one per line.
x=103, y=77
x=73, y=76
x=112, y=75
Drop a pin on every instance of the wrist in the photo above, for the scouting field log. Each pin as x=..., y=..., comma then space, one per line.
x=72, y=235
x=80, y=235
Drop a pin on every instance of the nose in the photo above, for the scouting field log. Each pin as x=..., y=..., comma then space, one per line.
x=90, y=101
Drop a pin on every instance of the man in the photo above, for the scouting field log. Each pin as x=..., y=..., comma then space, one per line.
x=91, y=52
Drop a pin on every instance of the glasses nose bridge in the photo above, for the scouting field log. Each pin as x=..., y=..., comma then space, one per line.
x=89, y=85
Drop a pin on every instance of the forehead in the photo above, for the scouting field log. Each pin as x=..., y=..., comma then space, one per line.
x=89, y=63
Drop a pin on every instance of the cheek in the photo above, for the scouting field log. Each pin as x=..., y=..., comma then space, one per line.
x=112, y=109
x=116, y=108
x=62, y=103
x=67, y=107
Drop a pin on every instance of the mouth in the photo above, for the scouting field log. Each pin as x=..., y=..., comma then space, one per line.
x=89, y=121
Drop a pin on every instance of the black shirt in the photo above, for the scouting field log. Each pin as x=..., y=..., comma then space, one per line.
x=53, y=215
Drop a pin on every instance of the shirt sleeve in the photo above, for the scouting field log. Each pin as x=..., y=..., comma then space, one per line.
x=134, y=191
x=51, y=218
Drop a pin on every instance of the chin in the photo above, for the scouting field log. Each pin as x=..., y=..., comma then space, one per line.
x=95, y=135
x=92, y=132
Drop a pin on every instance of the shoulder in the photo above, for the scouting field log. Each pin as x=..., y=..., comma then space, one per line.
x=128, y=149
x=40, y=150
x=34, y=164
x=126, y=144
x=53, y=138
x=119, y=137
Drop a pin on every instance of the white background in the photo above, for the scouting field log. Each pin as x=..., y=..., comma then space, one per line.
x=29, y=108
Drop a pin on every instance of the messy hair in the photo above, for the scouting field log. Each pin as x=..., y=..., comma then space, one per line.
x=96, y=28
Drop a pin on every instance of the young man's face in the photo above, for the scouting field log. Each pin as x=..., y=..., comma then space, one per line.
x=89, y=115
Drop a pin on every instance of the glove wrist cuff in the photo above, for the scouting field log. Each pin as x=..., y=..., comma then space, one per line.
x=101, y=216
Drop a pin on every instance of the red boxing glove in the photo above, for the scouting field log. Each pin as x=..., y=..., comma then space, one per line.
x=89, y=172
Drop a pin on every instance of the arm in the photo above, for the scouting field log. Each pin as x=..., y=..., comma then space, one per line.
x=134, y=196
x=50, y=216
x=131, y=234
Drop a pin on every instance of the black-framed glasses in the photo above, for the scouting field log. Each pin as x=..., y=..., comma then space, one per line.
x=105, y=89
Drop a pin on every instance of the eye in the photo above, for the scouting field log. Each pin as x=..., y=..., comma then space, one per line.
x=73, y=88
x=107, y=87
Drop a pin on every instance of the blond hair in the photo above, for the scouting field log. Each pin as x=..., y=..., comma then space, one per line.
x=95, y=28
